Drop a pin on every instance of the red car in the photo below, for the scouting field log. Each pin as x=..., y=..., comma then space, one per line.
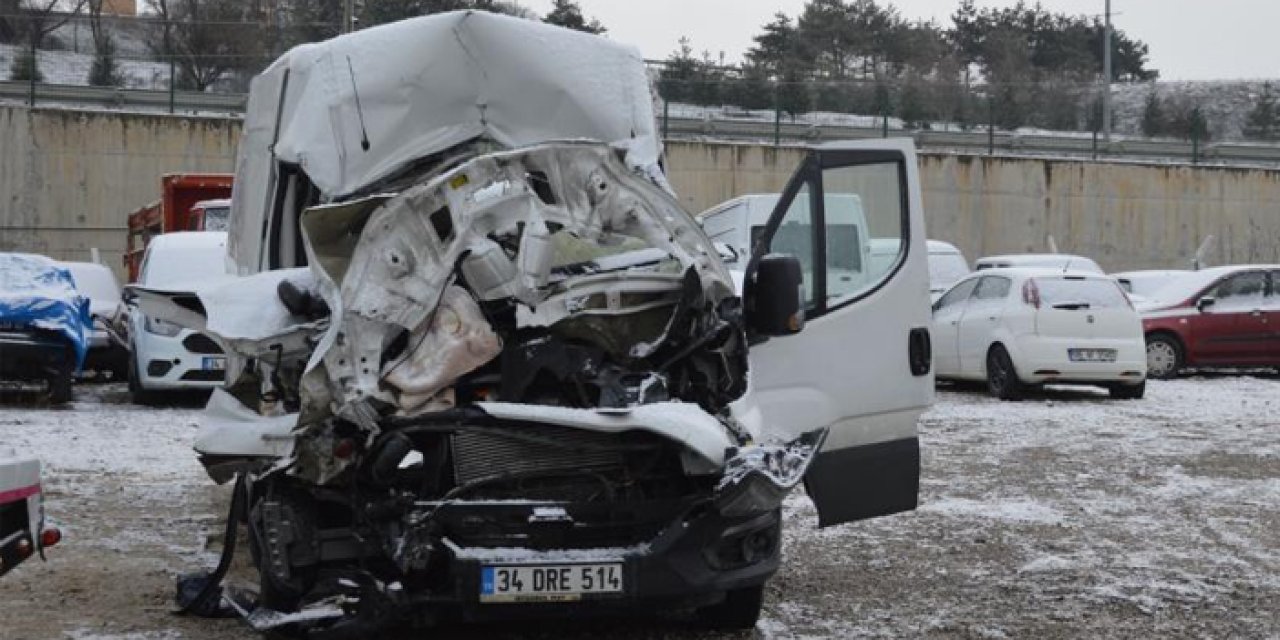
x=1218, y=317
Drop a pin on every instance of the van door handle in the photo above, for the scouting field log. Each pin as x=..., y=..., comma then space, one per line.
x=919, y=351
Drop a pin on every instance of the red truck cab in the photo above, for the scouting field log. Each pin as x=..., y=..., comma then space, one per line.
x=188, y=202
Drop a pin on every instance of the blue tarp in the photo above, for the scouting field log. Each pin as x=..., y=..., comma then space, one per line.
x=35, y=293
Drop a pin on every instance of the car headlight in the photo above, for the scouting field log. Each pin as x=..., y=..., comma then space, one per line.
x=161, y=327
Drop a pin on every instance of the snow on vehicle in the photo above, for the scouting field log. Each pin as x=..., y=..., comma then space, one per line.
x=23, y=532
x=1059, y=261
x=478, y=370
x=1019, y=327
x=1142, y=285
x=1216, y=317
x=164, y=356
x=44, y=324
x=97, y=283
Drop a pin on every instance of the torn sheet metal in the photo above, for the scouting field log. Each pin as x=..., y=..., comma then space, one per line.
x=406, y=247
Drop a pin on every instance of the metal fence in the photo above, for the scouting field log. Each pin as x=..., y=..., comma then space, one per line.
x=1179, y=122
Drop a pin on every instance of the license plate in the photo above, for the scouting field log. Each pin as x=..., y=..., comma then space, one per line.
x=549, y=583
x=1092, y=355
x=212, y=363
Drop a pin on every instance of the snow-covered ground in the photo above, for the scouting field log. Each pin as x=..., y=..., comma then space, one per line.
x=1068, y=515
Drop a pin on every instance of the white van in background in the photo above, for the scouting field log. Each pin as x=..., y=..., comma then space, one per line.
x=947, y=265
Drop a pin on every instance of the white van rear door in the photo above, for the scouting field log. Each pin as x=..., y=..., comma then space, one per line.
x=861, y=368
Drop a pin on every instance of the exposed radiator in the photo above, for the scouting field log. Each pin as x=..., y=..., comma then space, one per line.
x=487, y=453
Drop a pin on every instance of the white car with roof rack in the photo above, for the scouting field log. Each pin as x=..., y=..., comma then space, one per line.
x=1059, y=261
x=1016, y=328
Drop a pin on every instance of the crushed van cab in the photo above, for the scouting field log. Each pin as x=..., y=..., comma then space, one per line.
x=482, y=364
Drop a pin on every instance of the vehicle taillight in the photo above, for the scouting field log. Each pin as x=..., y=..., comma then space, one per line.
x=50, y=537
x=1031, y=293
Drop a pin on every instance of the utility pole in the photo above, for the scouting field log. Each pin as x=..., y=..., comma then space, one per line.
x=348, y=15
x=1106, y=78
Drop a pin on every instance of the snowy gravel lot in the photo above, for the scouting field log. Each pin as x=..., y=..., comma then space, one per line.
x=1062, y=516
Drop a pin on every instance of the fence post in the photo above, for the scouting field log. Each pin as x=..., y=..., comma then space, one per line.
x=172, y=96
x=666, y=118
x=777, y=117
x=991, y=125
x=31, y=81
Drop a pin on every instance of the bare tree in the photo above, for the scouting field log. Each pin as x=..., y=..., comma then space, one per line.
x=206, y=40
x=105, y=72
x=32, y=21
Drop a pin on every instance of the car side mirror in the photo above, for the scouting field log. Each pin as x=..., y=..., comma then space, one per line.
x=1205, y=303
x=774, y=296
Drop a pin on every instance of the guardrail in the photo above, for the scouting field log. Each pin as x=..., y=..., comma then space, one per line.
x=975, y=141
x=184, y=102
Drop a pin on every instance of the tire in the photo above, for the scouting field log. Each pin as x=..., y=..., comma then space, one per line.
x=137, y=393
x=1002, y=377
x=738, y=612
x=274, y=594
x=60, y=382
x=1164, y=356
x=1128, y=391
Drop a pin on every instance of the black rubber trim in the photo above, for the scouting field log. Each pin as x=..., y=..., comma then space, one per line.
x=863, y=482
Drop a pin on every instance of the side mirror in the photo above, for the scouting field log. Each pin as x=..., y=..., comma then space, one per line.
x=774, y=296
x=1205, y=303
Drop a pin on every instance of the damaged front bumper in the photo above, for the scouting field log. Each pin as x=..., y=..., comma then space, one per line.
x=494, y=559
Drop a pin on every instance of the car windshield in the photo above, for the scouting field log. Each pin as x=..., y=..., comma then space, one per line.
x=94, y=281
x=170, y=266
x=1080, y=293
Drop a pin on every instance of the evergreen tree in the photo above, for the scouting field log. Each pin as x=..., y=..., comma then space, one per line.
x=1154, y=121
x=1198, y=125
x=678, y=75
x=1263, y=121
x=105, y=72
x=25, y=67
x=567, y=13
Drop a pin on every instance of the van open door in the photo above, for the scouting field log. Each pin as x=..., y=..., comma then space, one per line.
x=859, y=364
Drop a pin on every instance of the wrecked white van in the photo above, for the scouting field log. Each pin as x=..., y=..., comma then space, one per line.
x=483, y=364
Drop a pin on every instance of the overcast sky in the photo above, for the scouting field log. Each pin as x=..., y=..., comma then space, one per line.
x=1189, y=39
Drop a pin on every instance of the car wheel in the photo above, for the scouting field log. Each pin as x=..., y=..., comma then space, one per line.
x=137, y=393
x=739, y=611
x=1164, y=356
x=60, y=381
x=1129, y=391
x=1002, y=377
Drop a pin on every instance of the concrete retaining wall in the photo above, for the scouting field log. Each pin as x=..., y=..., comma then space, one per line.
x=68, y=179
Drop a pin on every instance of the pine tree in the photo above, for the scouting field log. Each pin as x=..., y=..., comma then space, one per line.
x=568, y=14
x=1154, y=121
x=1263, y=121
x=25, y=67
x=105, y=71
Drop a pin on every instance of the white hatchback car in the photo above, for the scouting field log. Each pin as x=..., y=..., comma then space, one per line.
x=165, y=356
x=1020, y=327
